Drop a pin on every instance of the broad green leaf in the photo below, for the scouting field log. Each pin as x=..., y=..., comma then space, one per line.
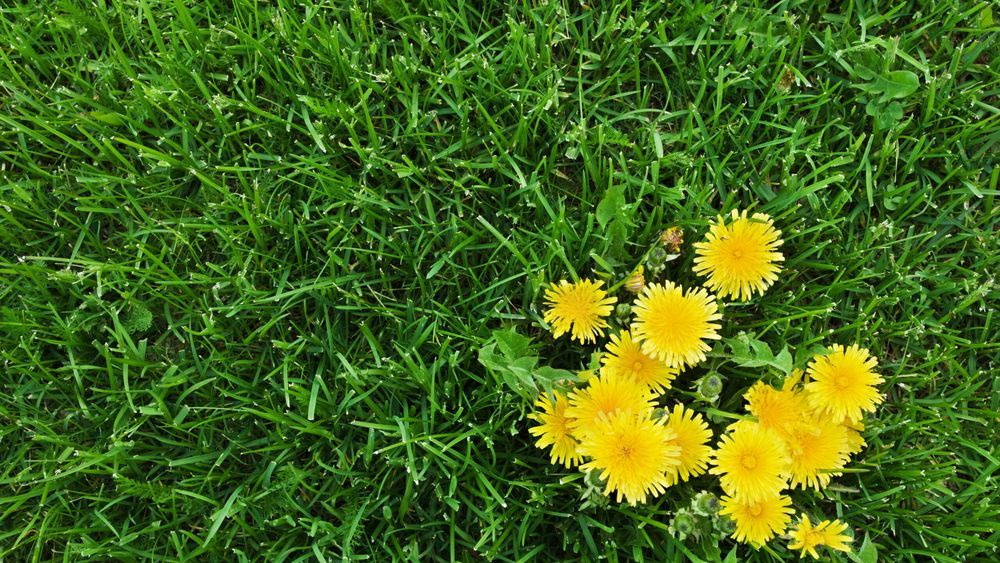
x=512, y=344
x=898, y=84
x=783, y=361
x=607, y=209
x=868, y=552
x=551, y=375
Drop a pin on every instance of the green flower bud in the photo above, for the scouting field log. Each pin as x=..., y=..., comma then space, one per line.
x=623, y=314
x=657, y=259
x=725, y=526
x=683, y=524
x=710, y=386
x=705, y=504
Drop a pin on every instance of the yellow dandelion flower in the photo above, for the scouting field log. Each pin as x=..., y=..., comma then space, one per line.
x=579, y=308
x=807, y=537
x=816, y=447
x=553, y=430
x=774, y=409
x=855, y=442
x=791, y=380
x=759, y=520
x=843, y=383
x=834, y=536
x=673, y=325
x=739, y=258
x=605, y=395
x=625, y=359
x=751, y=461
x=632, y=453
x=691, y=436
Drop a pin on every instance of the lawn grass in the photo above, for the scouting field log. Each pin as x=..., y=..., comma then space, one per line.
x=249, y=253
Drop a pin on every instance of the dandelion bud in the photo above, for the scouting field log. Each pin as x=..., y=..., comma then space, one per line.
x=710, y=386
x=705, y=504
x=725, y=526
x=657, y=259
x=682, y=525
x=636, y=281
x=623, y=313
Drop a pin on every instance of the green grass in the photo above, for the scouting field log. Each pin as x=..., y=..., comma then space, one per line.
x=249, y=253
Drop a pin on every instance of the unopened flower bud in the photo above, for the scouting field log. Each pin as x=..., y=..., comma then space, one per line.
x=705, y=504
x=636, y=281
x=623, y=313
x=682, y=525
x=710, y=386
x=725, y=525
x=656, y=259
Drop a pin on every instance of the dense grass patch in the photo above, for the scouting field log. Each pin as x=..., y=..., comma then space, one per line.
x=249, y=253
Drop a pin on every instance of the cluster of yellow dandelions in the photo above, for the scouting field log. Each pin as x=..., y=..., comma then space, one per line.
x=613, y=423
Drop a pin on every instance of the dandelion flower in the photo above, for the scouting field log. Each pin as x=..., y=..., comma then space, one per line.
x=855, y=442
x=752, y=462
x=760, y=520
x=579, y=308
x=553, y=430
x=739, y=258
x=626, y=359
x=672, y=239
x=816, y=447
x=692, y=436
x=673, y=325
x=774, y=409
x=807, y=537
x=605, y=395
x=633, y=453
x=843, y=383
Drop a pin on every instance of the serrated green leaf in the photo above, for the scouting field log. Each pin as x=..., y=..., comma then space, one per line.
x=512, y=344
x=783, y=361
x=551, y=375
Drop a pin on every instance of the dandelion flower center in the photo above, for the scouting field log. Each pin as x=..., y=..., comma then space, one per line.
x=749, y=461
x=755, y=509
